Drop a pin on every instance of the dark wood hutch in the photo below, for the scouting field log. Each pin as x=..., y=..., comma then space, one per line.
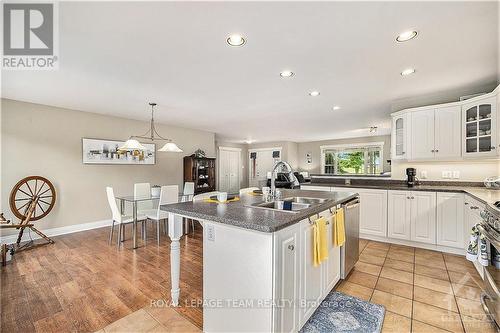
x=200, y=171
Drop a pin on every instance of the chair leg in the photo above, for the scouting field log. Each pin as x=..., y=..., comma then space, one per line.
x=111, y=232
x=158, y=232
x=120, y=235
x=165, y=226
x=144, y=229
x=192, y=225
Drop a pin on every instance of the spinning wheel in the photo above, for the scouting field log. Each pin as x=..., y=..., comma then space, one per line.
x=31, y=199
x=33, y=189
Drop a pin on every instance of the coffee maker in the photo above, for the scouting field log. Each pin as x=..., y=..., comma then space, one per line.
x=411, y=178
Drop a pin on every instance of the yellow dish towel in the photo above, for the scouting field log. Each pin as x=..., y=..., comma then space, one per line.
x=217, y=201
x=338, y=227
x=320, y=242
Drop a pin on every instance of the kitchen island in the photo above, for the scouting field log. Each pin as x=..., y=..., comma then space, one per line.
x=258, y=272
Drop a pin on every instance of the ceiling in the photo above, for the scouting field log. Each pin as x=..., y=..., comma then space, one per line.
x=115, y=57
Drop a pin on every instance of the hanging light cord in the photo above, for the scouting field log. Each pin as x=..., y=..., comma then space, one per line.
x=150, y=134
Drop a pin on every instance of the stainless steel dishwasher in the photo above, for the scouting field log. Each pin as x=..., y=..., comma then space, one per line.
x=349, y=252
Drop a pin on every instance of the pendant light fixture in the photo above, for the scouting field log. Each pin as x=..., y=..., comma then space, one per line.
x=133, y=144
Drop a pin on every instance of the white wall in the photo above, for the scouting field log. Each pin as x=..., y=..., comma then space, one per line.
x=46, y=141
x=469, y=170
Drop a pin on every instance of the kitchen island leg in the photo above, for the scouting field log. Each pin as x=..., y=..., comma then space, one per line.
x=175, y=234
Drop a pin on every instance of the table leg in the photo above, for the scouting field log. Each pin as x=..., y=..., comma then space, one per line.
x=134, y=227
x=186, y=225
x=175, y=234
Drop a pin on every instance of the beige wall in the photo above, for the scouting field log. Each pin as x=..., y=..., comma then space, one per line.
x=289, y=150
x=44, y=140
x=244, y=159
x=469, y=170
x=315, y=150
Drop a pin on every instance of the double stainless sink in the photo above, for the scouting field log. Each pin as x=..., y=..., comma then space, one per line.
x=297, y=204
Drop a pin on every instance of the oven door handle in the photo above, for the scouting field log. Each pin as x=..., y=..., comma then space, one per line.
x=493, y=240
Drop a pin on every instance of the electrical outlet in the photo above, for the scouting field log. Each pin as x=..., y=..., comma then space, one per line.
x=423, y=174
x=210, y=232
x=456, y=174
x=444, y=174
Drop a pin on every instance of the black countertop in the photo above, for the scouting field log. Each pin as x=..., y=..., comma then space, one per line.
x=240, y=214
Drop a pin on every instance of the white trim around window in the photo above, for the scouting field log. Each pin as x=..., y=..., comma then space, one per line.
x=350, y=146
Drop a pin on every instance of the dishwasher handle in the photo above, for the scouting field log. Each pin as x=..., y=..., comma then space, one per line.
x=351, y=204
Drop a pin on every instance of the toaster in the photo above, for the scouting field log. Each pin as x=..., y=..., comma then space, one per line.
x=492, y=183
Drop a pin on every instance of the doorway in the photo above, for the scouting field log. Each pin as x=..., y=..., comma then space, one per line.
x=229, y=169
x=261, y=162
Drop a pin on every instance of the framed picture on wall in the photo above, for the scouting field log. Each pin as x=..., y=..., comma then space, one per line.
x=100, y=151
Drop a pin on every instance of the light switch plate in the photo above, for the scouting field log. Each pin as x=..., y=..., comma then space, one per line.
x=444, y=174
x=456, y=174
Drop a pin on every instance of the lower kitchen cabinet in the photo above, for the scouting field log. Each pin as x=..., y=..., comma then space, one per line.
x=423, y=217
x=297, y=280
x=372, y=211
x=412, y=216
x=472, y=210
x=287, y=277
x=450, y=219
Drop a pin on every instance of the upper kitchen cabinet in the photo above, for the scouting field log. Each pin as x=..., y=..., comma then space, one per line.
x=452, y=131
x=400, y=137
x=479, y=128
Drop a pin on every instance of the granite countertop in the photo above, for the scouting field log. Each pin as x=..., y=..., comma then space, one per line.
x=480, y=193
x=239, y=214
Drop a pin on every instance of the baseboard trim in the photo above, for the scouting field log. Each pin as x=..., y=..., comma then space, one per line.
x=58, y=231
x=434, y=247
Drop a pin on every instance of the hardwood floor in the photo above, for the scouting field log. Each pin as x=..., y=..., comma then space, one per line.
x=82, y=284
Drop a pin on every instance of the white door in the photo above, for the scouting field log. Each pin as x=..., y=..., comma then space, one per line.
x=423, y=216
x=311, y=277
x=422, y=134
x=450, y=219
x=372, y=212
x=448, y=132
x=287, y=278
x=398, y=220
x=229, y=170
x=261, y=162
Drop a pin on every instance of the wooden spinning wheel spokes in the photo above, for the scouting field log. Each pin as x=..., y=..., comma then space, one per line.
x=30, y=190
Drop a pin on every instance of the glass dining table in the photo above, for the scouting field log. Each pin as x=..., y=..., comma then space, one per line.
x=134, y=200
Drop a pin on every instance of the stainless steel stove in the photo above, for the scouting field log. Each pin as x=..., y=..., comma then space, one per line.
x=490, y=228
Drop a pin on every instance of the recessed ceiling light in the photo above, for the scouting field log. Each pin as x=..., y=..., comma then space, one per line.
x=236, y=40
x=314, y=93
x=373, y=129
x=406, y=36
x=287, y=74
x=408, y=71
x=249, y=141
x=336, y=107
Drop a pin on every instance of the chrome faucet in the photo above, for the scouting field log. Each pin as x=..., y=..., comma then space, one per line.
x=273, y=176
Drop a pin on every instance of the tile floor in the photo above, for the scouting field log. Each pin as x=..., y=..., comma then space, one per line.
x=152, y=319
x=422, y=290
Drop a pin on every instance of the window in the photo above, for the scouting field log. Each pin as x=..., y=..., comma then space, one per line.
x=360, y=159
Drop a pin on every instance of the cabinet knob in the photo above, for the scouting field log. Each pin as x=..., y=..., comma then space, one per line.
x=291, y=247
x=437, y=150
x=413, y=197
x=408, y=198
x=403, y=152
x=493, y=147
x=432, y=151
x=466, y=203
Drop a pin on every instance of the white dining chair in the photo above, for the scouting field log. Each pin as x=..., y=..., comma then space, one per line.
x=168, y=195
x=122, y=220
x=188, y=192
x=143, y=190
x=247, y=190
x=201, y=197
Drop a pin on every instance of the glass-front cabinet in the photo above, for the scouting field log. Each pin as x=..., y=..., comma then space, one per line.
x=479, y=131
x=400, y=128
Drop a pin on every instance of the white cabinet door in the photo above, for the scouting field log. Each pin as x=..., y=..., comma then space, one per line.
x=332, y=266
x=287, y=279
x=311, y=278
x=399, y=219
x=450, y=219
x=423, y=216
x=479, y=135
x=373, y=211
x=422, y=134
x=399, y=137
x=448, y=133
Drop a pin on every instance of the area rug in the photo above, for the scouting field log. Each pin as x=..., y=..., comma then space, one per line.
x=344, y=313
